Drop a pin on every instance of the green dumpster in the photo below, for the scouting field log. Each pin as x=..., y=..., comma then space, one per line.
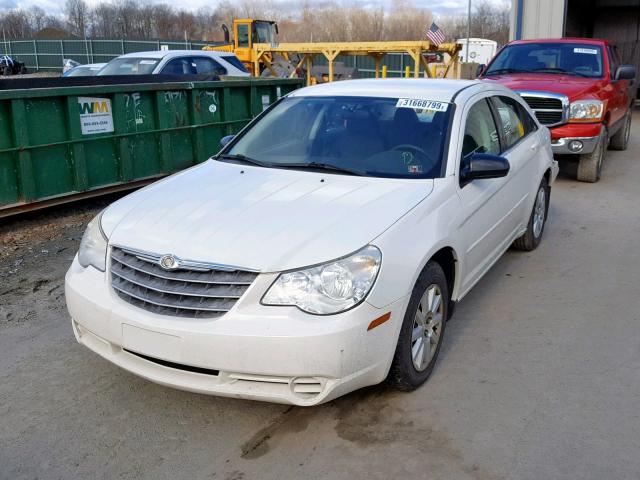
x=60, y=144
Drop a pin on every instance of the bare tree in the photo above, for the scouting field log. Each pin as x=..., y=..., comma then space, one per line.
x=77, y=14
x=310, y=21
x=407, y=22
x=488, y=20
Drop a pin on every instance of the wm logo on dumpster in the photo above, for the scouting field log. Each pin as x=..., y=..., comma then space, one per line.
x=94, y=107
x=95, y=115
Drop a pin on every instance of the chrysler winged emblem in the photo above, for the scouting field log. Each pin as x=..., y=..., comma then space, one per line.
x=169, y=262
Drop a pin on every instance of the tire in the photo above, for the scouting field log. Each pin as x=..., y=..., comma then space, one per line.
x=23, y=70
x=404, y=374
x=590, y=164
x=620, y=140
x=6, y=71
x=537, y=220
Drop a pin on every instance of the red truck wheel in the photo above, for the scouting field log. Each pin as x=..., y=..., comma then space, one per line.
x=590, y=164
x=621, y=139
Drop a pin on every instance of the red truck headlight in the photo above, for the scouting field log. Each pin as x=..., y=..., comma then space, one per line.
x=586, y=111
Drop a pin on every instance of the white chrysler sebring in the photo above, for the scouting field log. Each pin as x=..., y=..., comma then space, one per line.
x=323, y=249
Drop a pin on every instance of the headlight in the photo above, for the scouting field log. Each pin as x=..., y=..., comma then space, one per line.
x=93, y=246
x=586, y=111
x=329, y=288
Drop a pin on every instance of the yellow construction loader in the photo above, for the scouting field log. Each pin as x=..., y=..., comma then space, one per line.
x=255, y=44
x=246, y=33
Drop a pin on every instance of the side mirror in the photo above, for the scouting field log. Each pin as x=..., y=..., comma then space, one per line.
x=225, y=140
x=482, y=166
x=480, y=69
x=626, y=72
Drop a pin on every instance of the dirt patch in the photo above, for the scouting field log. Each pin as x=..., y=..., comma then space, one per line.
x=35, y=251
x=293, y=420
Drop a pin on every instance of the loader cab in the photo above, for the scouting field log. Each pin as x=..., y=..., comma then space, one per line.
x=247, y=31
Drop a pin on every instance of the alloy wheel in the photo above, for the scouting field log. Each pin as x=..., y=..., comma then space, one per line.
x=539, y=211
x=427, y=327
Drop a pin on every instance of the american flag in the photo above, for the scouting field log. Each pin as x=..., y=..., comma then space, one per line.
x=435, y=34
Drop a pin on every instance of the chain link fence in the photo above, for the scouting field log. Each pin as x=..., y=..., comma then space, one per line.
x=48, y=55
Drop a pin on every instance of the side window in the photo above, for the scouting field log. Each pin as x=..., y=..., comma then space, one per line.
x=243, y=35
x=208, y=66
x=480, y=133
x=515, y=121
x=179, y=66
x=613, y=61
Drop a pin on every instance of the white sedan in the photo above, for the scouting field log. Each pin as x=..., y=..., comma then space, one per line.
x=176, y=62
x=323, y=249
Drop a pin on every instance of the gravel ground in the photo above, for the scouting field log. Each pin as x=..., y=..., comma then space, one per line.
x=32, y=75
x=537, y=379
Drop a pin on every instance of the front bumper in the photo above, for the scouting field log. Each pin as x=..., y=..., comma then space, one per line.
x=277, y=354
x=587, y=134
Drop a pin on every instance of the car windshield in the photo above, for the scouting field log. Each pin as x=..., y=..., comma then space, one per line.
x=129, y=66
x=382, y=137
x=583, y=60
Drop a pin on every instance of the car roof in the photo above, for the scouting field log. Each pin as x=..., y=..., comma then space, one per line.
x=443, y=90
x=159, y=54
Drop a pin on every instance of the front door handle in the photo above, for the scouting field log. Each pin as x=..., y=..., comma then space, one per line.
x=535, y=146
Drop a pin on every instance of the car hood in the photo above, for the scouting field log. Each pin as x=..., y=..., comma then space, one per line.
x=260, y=218
x=569, y=85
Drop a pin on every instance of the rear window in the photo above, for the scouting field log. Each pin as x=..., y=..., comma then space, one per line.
x=83, y=72
x=130, y=66
x=233, y=60
x=579, y=59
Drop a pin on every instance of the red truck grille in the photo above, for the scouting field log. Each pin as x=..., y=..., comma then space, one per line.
x=550, y=109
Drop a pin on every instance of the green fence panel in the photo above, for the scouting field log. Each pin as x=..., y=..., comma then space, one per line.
x=57, y=144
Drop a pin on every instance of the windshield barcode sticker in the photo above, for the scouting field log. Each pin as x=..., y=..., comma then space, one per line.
x=423, y=104
x=590, y=51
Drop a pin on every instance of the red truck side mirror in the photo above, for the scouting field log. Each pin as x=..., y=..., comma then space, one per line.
x=626, y=72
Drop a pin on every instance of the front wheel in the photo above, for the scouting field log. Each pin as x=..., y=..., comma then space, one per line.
x=422, y=330
x=590, y=164
x=620, y=140
x=531, y=238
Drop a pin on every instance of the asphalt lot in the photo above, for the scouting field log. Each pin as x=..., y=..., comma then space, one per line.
x=538, y=377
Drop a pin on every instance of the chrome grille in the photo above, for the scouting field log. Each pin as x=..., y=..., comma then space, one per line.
x=194, y=290
x=550, y=109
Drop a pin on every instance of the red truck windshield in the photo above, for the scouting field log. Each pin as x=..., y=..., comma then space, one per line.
x=579, y=59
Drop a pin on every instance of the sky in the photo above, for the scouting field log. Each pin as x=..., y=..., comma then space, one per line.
x=439, y=7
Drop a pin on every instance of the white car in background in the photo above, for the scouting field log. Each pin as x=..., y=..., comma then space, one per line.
x=176, y=62
x=323, y=249
x=88, y=70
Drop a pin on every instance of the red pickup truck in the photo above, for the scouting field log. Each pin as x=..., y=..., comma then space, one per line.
x=575, y=86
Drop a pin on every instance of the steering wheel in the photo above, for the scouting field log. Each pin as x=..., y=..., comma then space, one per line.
x=406, y=146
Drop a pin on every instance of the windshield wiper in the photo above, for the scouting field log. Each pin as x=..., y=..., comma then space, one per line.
x=238, y=157
x=559, y=71
x=322, y=166
x=500, y=71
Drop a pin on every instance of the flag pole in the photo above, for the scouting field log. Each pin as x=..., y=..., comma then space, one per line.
x=468, y=30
